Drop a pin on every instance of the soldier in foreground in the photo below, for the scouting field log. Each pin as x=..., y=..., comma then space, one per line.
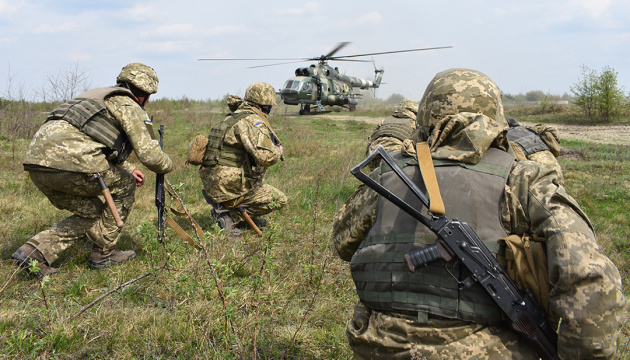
x=239, y=151
x=429, y=314
x=83, y=139
x=395, y=128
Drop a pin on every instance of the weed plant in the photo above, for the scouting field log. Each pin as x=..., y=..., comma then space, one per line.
x=284, y=295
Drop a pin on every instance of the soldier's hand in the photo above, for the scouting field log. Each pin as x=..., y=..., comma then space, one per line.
x=139, y=176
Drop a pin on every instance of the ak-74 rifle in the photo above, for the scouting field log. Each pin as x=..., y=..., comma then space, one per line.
x=458, y=241
x=160, y=201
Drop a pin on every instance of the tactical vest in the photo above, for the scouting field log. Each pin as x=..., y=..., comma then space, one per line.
x=528, y=140
x=87, y=112
x=471, y=193
x=219, y=153
x=393, y=127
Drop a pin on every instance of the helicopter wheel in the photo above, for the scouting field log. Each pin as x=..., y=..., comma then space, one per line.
x=307, y=109
x=353, y=107
x=302, y=112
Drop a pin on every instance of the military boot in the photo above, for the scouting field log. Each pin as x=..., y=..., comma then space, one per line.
x=226, y=223
x=26, y=252
x=100, y=258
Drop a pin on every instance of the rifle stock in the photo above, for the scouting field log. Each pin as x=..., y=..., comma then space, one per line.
x=458, y=241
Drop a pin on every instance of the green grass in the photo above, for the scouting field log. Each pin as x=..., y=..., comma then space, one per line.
x=285, y=295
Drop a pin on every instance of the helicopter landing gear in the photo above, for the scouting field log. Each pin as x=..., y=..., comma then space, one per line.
x=352, y=108
x=305, y=109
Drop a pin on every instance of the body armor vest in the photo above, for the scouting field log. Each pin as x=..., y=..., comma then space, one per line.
x=528, y=140
x=471, y=193
x=398, y=128
x=87, y=112
x=218, y=153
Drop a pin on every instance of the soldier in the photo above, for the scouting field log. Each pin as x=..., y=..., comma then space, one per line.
x=428, y=314
x=239, y=151
x=93, y=133
x=395, y=128
x=539, y=144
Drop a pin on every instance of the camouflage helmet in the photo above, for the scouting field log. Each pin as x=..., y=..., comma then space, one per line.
x=460, y=90
x=408, y=108
x=261, y=93
x=141, y=76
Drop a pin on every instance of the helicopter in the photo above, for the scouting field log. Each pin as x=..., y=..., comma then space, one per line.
x=321, y=84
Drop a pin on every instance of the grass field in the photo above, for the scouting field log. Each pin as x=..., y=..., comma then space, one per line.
x=283, y=295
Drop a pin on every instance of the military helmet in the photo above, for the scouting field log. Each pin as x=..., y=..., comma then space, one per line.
x=261, y=93
x=409, y=105
x=141, y=76
x=460, y=90
x=408, y=108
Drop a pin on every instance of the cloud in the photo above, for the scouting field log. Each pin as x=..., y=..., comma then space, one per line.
x=169, y=46
x=594, y=8
x=309, y=8
x=57, y=28
x=9, y=6
x=141, y=13
x=370, y=18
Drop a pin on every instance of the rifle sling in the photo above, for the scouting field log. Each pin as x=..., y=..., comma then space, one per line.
x=427, y=171
x=180, y=210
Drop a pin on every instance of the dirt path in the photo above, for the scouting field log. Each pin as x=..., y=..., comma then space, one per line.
x=602, y=134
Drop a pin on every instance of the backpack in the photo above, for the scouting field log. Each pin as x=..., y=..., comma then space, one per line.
x=525, y=262
x=197, y=149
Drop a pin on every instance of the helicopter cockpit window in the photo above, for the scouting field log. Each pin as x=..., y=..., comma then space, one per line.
x=296, y=85
x=306, y=87
x=288, y=84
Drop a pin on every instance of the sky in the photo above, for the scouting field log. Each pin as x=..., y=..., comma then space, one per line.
x=522, y=45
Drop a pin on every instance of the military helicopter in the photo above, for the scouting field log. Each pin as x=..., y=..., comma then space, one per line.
x=321, y=84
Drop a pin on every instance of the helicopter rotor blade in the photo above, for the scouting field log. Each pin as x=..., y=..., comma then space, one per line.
x=340, y=46
x=390, y=52
x=250, y=59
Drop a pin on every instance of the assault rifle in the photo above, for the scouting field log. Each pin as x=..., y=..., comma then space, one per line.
x=457, y=241
x=160, y=201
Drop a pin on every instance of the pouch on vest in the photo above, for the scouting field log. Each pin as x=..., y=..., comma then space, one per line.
x=197, y=149
x=525, y=262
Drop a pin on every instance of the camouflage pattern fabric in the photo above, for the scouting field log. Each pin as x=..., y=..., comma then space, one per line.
x=406, y=109
x=460, y=90
x=59, y=145
x=379, y=335
x=225, y=183
x=141, y=76
x=261, y=93
x=586, y=290
x=60, y=158
x=74, y=192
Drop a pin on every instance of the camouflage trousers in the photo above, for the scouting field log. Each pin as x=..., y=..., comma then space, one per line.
x=379, y=335
x=91, y=217
x=261, y=200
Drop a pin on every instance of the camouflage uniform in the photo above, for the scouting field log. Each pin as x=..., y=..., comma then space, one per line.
x=539, y=144
x=462, y=125
x=61, y=159
x=395, y=128
x=244, y=185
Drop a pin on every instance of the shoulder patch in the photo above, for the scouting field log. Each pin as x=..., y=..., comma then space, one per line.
x=259, y=124
x=148, y=121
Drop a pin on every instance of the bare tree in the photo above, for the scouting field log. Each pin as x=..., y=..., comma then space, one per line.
x=67, y=83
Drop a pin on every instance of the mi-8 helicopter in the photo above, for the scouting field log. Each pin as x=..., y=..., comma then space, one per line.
x=321, y=84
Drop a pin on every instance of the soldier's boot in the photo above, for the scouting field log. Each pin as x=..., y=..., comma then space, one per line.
x=260, y=222
x=100, y=259
x=226, y=223
x=26, y=252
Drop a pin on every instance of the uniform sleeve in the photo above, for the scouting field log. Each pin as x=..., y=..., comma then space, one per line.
x=132, y=118
x=256, y=139
x=586, y=290
x=353, y=221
